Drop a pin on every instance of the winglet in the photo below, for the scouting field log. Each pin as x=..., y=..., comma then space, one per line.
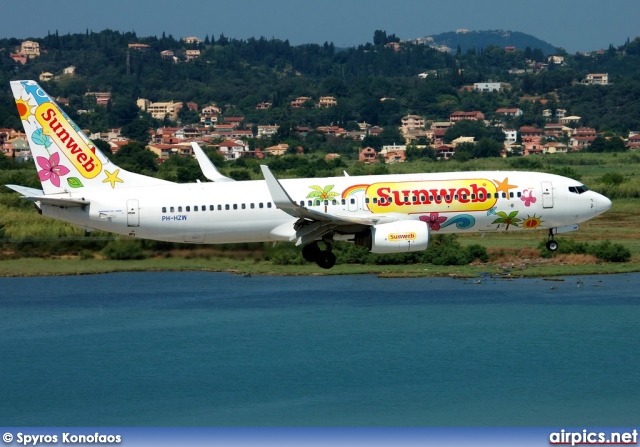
x=280, y=197
x=208, y=168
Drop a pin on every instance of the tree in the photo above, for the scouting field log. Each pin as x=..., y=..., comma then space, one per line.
x=137, y=130
x=103, y=146
x=135, y=157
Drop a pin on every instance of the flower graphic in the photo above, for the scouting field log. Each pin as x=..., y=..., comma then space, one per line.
x=322, y=193
x=528, y=200
x=433, y=220
x=51, y=170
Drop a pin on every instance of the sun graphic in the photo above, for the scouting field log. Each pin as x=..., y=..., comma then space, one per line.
x=24, y=109
x=531, y=222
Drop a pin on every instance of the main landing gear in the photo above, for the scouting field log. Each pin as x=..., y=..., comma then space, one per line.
x=552, y=245
x=324, y=258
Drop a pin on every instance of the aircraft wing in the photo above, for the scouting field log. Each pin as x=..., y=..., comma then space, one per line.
x=311, y=224
x=37, y=195
x=208, y=169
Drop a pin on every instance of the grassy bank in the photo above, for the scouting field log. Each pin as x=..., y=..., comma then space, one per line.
x=77, y=266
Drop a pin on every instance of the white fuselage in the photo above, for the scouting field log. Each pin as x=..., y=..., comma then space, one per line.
x=232, y=212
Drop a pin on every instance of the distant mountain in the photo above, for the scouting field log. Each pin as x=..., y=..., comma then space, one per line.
x=481, y=39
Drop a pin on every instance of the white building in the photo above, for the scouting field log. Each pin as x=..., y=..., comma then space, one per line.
x=510, y=136
x=487, y=86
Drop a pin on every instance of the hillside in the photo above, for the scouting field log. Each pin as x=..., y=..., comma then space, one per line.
x=482, y=39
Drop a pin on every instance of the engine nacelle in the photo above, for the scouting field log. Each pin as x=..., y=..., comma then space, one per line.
x=395, y=237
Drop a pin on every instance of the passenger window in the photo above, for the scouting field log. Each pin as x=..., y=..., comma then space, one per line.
x=244, y=207
x=375, y=200
x=519, y=194
x=268, y=204
x=227, y=207
x=171, y=210
x=235, y=206
x=317, y=202
x=326, y=202
x=164, y=209
x=302, y=203
x=195, y=208
x=504, y=195
x=188, y=208
x=344, y=202
x=260, y=205
x=179, y=209
x=253, y=205
x=334, y=202
x=219, y=207
x=352, y=201
x=310, y=202
x=204, y=208
x=511, y=195
x=211, y=208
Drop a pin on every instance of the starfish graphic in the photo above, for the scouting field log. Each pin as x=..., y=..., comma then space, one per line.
x=504, y=186
x=112, y=178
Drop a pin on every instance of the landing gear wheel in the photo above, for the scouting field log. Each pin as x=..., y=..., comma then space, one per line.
x=326, y=259
x=552, y=245
x=310, y=252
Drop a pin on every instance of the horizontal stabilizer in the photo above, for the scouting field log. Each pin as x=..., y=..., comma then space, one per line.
x=208, y=169
x=36, y=195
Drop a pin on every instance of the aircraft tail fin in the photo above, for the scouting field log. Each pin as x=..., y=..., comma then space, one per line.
x=65, y=157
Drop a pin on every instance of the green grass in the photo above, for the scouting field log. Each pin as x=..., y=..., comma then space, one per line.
x=76, y=266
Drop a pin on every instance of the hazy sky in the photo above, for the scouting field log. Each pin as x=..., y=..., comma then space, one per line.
x=575, y=25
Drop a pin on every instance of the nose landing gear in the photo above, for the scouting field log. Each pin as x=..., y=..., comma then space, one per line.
x=552, y=245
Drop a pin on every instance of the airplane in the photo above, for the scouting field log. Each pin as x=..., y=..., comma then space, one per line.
x=384, y=213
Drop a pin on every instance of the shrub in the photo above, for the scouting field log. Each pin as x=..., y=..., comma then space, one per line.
x=610, y=252
x=477, y=252
x=123, y=250
x=612, y=178
x=605, y=251
x=287, y=257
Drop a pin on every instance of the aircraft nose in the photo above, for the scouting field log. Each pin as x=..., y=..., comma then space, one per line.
x=603, y=204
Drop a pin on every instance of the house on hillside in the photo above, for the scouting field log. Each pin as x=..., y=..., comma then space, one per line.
x=368, y=155
x=597, y=79
x=509, y=112
x=232, y=149
x=466, y=116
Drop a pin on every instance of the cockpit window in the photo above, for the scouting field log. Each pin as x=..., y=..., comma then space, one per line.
x=578, y=189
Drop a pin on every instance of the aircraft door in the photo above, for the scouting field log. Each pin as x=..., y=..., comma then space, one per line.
x=352, y=203
x=547, y=195
x=133, y=217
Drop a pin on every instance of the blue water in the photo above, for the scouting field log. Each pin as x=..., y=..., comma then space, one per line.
x=210, y=349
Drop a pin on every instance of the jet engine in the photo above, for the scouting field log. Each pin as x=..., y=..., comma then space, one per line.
x=395, y=237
